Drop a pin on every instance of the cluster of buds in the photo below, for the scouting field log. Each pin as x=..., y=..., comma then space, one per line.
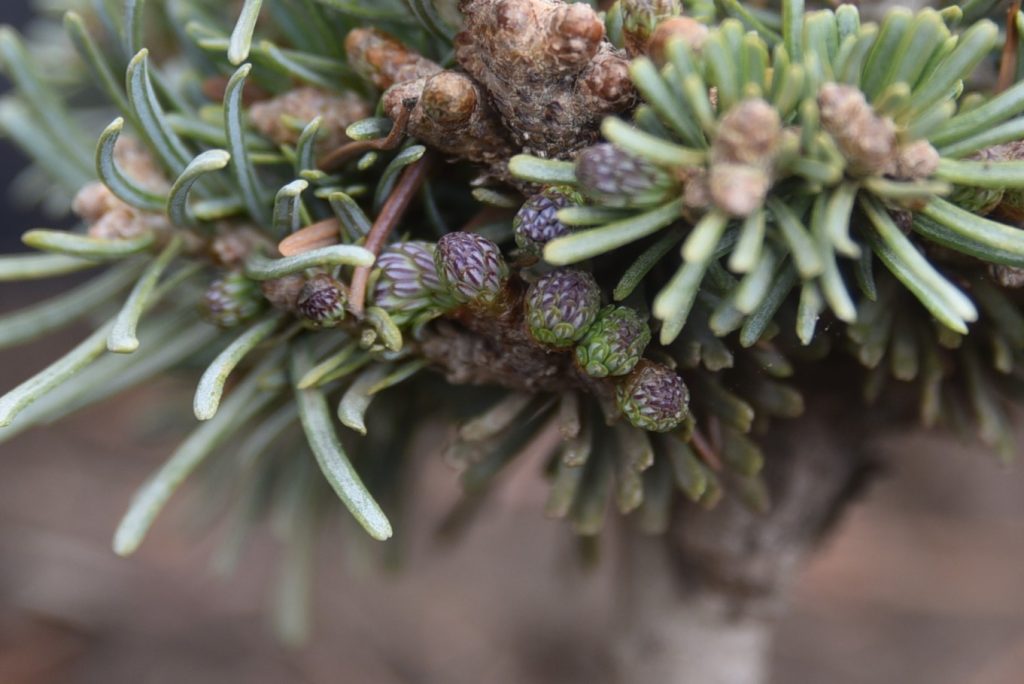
x=548, y=68
x=536, y=76
x=536, y=223
x=407, y=283
x=561, y=312
x=743, y=156
x=282, y=118
x=869, y=141
x=445, y=109
x=109, y=217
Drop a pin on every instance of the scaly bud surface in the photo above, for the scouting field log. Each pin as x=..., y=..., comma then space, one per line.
x=322, y=301
x=561, y=306
x=536, y=222
x=407, y=282
x=616, y=178
x=471, y=267
x=614, y=344
x=653, y=397
x=232, y=299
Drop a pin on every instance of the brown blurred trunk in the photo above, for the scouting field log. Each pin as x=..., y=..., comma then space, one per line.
x=699, y=605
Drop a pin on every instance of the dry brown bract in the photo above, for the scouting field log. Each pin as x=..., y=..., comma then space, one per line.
x=869, y=141
x=109, y=217
x=282, y=118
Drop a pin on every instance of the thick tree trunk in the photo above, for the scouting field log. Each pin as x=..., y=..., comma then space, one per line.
x=698, y=606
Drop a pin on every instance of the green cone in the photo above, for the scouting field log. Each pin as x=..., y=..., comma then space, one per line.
x=232, y=299
x=561, y=306
x=653, y=397
x=322, y=301
x=614, y=343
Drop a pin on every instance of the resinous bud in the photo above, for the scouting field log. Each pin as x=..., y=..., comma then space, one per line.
x=536, y=223
x=471, y=267
x=231, y=299
x=615, y=178
x=653, y=397
x=561, y=306
x=322, y=301
x=407, y=283
x=614, y=344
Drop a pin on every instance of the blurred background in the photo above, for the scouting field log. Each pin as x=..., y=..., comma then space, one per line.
x=922, y=583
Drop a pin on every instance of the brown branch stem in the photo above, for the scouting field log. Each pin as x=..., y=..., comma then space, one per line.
x=390, y=214
x=339, y=156
x=1009, y=57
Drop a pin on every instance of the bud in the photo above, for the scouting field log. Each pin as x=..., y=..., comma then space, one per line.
x=1010, y=207
x=867, y=140
x=690, y=31
x=616, y=178
x=749, y=133
x=917, y=159
x=561, y=306
x=449, y=98
x=738, y=189
x=984, y=201
x=382, y=59
x=535, y=223
x=653, y=397
x=407, y=282
x=276, y=118
x=231, y=300
x=283, y=293
x=641, y=17
x=1011, y=277
x=980, y=201
x=471, y=267
x=614, y=343
x=322, y=301
x=574, y=35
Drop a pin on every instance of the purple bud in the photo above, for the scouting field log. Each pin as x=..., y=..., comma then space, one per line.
x=536, y=222
x=653, y=397
x=472, y=268
x=231, y=299
x=561, y=306
x=322, y=301
x=407, y=281
x=615, y=178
